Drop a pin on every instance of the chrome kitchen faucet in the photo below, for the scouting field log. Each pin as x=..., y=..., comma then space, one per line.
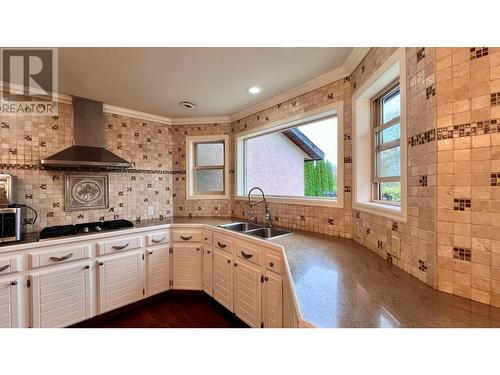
x=251, y=205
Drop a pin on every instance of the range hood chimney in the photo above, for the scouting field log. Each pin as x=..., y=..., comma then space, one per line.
x=89, y=140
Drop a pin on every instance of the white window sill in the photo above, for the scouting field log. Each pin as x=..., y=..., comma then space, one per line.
x=385, y=210
x=300, y=201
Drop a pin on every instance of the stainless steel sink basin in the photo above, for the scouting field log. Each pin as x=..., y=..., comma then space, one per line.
x=255, y=230
x=240, y=227
x=268, y=232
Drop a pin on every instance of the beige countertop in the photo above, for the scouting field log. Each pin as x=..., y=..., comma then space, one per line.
x=340, y=283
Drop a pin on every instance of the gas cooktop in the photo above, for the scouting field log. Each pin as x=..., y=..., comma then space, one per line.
x=84, y=228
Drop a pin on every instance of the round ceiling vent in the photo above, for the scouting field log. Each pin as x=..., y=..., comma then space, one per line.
x=187, y=105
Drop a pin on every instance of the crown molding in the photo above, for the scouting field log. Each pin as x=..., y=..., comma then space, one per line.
x=201, y=120
x=136, y=114
x=20, y=89
x=355, y=58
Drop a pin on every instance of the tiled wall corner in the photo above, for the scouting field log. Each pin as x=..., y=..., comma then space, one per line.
x=418, y=245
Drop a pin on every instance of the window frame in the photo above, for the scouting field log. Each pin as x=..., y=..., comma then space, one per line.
x=394, y=67
x=378, y=126
x=334, y=109
x=192, y=167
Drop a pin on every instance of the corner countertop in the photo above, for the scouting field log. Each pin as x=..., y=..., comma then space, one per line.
x=339, y=283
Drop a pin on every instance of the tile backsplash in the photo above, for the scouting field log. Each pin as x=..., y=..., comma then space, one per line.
x=148, y=145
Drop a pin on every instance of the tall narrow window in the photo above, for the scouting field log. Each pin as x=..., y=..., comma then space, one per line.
x=207, y=167
x=386, y=146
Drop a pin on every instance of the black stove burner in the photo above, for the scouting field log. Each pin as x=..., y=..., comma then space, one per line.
x=97, y=226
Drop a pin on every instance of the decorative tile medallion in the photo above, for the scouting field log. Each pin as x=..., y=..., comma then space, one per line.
x=85, y=192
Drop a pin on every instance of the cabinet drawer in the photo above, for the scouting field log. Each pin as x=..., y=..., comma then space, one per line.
x=273, y=262
x=248, y=252
x=186, y=235
x=9, y=264
x=207, y=237
x=157, y=238
x=223, y=243
x=119, y=244
x=58, y=255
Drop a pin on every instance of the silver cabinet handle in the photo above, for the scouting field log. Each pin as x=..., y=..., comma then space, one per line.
x=60, y=259
x=245, y=255
x=3, y=268
x=158, y=241
x=221, y=245
x=116, y=247
x=186, y=238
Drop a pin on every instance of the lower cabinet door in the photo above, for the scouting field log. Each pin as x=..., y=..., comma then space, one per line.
x=9, y=301
x=273, y=301
x=119, y=280
x=157, y=270
x=247, y=293
x=60, y=295
x=222, y=278
x=186, y=266
x=207, y=269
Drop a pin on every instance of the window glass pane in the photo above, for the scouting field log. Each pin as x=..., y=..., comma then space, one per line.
x=209, y=180
x=390, y=191
x=209, y=154
x=389, y=162
x=390, y=107
x=297, y=162
x=390, y=134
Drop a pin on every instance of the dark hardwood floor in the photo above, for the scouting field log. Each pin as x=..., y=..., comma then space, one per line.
x=173, y=309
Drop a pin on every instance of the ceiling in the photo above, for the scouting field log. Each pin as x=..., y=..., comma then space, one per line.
x=155, y=80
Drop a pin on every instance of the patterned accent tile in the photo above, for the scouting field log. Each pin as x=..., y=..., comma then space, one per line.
x=462, y=254
x=477, y=52
x=461, y=204
x=422, y=138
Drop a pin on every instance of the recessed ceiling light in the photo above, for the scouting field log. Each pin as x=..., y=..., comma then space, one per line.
x=254, y=90
x=187, y=105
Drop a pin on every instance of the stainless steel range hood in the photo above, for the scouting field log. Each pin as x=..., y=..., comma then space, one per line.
x=89, y=140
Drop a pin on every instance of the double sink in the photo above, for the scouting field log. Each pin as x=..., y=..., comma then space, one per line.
x=255, y=230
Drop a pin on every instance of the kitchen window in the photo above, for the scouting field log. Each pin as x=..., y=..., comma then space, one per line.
x=379, y=141
x=207, y=169
x=299, y=161
x=386, y=146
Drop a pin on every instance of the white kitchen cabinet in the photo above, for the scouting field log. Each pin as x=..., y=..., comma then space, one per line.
x=157, y=269
x=60, y=295
x=222, y=278
x=186, y=266
x=119, y=280
x=207, y=269
x=272, y=300
x=247, y=293
x=10, y=313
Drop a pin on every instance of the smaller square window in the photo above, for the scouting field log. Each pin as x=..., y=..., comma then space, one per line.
x=207, y=167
